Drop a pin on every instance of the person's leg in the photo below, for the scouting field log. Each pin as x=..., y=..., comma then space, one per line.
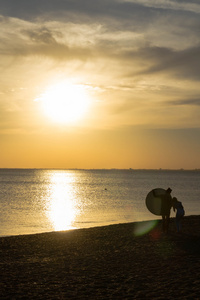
x=163, y=223
x=180, y=223
x=167, y=222
x=177, y=224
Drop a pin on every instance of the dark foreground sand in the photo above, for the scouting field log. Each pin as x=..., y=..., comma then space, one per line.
x=103, y=263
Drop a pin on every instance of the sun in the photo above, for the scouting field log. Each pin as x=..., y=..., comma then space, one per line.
x=65, y=102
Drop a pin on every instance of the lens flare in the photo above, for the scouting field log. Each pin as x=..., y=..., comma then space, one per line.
x=142, y=228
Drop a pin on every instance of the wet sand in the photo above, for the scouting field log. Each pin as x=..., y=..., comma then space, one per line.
x=110, y=262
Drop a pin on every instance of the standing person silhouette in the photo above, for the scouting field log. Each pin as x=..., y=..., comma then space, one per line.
x=166, y=205
x=165, y=209
x=178, y=207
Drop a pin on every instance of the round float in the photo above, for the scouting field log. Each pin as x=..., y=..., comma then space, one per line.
x=154, y=201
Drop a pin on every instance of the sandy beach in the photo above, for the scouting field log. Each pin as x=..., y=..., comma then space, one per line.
x=113, y=262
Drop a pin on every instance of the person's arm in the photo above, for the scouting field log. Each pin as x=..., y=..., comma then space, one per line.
x=174, y=206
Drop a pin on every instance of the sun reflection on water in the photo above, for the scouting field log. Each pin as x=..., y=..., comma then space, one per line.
x=62, y=211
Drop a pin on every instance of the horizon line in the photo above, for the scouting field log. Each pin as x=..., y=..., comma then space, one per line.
x=108, y=169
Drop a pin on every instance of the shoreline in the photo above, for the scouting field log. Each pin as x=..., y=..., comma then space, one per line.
x=153, y=221
x=80, y=228
x=119, y=261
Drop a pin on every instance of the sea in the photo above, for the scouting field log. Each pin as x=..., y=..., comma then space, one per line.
x=41, y=200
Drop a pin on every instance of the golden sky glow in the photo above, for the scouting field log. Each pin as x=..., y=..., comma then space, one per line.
x=99, y=84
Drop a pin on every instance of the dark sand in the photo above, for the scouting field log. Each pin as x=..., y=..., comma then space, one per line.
x=103, y=263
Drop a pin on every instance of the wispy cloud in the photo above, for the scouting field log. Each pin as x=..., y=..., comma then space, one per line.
x=187, y=102
x=180, y=64
x=191, y=6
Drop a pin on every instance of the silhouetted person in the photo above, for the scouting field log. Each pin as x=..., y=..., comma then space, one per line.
x=166, y=204
x=165, y=209
x=178, y=207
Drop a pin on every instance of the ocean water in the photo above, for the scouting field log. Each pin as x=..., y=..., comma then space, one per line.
x=37, y=200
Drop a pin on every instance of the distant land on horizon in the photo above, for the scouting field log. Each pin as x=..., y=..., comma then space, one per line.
x=101, y=169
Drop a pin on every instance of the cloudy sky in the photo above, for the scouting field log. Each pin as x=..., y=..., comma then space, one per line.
x=134, y=65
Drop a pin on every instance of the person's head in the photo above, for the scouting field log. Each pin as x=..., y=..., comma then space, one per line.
x=169, y=190
x=174, y=200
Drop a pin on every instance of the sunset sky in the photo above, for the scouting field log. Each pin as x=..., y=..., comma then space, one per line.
x=100, y=84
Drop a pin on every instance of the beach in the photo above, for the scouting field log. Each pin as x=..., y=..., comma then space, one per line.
x=121, y=261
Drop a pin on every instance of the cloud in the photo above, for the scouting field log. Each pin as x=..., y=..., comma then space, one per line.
x=46, y=8
x=179, y=64
x=189, y=102
x=41, y=35
x=139, y=13
x=23, y=38
x=185, y=5
x=122, y=23
x=69, y=41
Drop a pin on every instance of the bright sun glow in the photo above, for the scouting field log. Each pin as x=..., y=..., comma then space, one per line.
x=65, y=102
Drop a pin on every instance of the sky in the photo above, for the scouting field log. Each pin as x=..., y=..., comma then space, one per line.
x=100, y=84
